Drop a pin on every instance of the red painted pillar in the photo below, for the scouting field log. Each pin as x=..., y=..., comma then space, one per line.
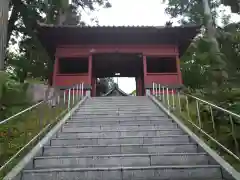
x=94, y=86
x=144, y=70
x=179, y=70
x=55, y=71
x=90, y=69
x=140, y=86
x=137, y=87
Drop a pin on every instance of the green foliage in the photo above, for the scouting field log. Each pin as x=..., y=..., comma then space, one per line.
x=20, y=130
x=198, y=62
x=3, y=79
x=203, y=12
x=13, y=96
x=33, y=61
x=189, y=11
x=133, y=92
x=210, y=69
x=222, y=132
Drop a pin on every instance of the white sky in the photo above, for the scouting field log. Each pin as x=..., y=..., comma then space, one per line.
x=134, y=12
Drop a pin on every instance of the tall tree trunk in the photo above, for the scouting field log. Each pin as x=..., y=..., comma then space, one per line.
x=4, y=8
x=218, y=66
x=12, y=19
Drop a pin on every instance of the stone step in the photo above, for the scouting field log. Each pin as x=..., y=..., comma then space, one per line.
x=119, y=97
x=122, y=160
x=129, y=98
x=122, y=140
x=120, y=113
x=197, y=172
x=115, y=115
x=145, y=132
x=117, y=110
x=120, y=149
x=123, y=106
x=119, y=122
x=118, y=118
x=116, y=127
x=100, y=108
x=115, y=101
x=119, y=103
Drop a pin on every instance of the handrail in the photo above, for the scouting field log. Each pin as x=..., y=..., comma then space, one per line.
x=217, y=107
x=39, y=124
x=35, y=105
x=21, y=112
x=194, y=97
x=170, y=98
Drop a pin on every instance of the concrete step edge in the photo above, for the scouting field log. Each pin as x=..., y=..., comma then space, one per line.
x=122, y=137
x=118, y=125
x=114, y=114
x=74, y=121
x=128, y=112
x=123, y=107
x=147, y=116
x=120, y=168
x=118, y=107
x=120, y=145
x=121, y=155
x=141, y=130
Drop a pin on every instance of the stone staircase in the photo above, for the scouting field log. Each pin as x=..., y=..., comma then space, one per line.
x=121, y=138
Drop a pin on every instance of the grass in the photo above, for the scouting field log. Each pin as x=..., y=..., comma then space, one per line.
x=220, y=128
x=16, y=133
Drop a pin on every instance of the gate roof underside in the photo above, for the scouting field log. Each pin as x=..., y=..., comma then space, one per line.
x=52, y=36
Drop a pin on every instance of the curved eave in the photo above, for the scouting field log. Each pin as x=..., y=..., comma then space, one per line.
x=51, y=36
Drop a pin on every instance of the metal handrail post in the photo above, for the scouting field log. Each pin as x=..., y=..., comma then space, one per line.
x=159, y=93
x=64, y=96
x=153, y=88
x=77, y=92
x=73, y=91
x=82, y=89
x=69, y=99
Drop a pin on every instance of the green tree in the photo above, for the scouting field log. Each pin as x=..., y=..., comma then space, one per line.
x=23, y=21
x=203, y=12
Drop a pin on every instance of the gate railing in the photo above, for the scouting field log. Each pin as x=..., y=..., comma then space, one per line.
x=20, y=132
x=205, y=119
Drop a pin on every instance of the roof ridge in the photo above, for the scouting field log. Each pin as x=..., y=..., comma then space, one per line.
x=115, y=87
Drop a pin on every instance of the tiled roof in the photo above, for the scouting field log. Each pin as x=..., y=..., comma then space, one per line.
x=116, y=88
x=113, y=26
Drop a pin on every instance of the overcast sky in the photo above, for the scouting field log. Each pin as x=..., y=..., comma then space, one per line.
x=133, y=12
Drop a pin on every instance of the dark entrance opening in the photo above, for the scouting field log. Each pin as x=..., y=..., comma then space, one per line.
x=73, y=65
x=161, y=65
x=118, y=65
